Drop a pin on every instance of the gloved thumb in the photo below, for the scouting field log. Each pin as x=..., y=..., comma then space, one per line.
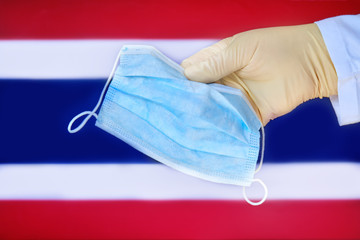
x=213, y=68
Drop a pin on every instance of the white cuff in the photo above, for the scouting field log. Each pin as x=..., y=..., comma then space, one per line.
x=342, y=38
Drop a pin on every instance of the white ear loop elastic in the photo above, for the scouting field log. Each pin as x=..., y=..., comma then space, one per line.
x=262, y=200
x=256, y=171
x=93, y=112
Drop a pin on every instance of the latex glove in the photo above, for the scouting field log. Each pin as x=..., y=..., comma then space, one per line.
x=277, y=68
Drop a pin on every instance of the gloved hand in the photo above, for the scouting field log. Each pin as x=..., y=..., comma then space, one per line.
x=276, y=68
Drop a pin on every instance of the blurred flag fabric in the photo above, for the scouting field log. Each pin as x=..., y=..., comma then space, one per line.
x=54, y=59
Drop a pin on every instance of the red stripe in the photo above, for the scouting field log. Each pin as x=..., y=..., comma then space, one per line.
x=44, y=19
x=179, y=220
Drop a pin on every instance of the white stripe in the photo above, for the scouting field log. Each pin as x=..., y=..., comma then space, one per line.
x=66, y=59
x=155, y=181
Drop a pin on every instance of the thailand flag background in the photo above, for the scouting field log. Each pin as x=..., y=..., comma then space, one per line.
x=54, y=59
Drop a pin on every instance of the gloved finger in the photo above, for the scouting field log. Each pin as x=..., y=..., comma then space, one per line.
x=206, y=53
x=225, y=62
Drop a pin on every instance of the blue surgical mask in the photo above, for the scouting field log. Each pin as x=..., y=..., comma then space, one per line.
x=209, y=131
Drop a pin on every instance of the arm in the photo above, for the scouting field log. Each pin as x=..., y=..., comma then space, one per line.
x=279, y=68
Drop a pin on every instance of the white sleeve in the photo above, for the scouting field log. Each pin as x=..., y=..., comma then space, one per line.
x=342, y=38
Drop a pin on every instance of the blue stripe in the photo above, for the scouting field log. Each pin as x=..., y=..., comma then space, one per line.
x=34, y=117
